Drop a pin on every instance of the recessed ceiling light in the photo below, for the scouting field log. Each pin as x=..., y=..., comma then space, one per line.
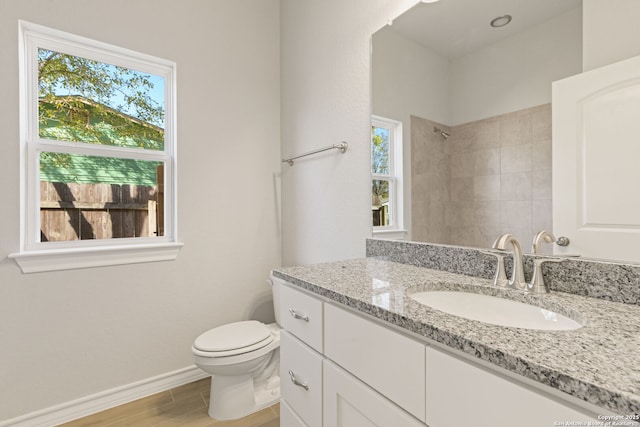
x=500, y=21
x=430, y=1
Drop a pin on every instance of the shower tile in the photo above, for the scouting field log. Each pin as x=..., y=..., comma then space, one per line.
x=462, y=137
x=541, y=215
x=437, y=230
x=485, y=234
x=487, y=213
x=487, y=162
x=541, y=155
x=486, y=187
x=486, y=134
x=462, y=164
x=515, y=130
x=516, y=158
x=516, y=186
x=541, y=123
x=541, y=185
x=516, y=215
x=440, y=191
x=459, y=214
x=462, y=189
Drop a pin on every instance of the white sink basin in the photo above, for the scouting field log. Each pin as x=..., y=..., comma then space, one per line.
x=495, y=310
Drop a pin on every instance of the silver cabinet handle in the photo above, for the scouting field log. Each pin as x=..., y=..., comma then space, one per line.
x=296, y=382
x=298, y=316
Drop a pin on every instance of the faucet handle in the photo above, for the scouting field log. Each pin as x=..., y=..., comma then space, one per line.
x=500, y=276
x=537, y=284
x=517, y=275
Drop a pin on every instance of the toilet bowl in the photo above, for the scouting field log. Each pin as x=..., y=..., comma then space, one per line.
x=244, y=360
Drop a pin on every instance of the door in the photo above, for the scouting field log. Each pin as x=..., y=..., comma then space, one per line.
x=596, y=162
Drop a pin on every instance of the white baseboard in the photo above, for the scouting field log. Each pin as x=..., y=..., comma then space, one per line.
x=88, y=405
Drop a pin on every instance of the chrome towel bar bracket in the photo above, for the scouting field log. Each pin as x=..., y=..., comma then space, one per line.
x=342, y=147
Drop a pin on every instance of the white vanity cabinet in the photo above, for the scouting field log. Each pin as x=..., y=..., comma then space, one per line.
x=318, y=392
x=350, y=370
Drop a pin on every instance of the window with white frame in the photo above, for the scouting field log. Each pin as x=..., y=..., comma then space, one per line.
x=98, y=153
x=386, y=174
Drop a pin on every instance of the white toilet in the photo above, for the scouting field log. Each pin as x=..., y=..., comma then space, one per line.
x=244, y=360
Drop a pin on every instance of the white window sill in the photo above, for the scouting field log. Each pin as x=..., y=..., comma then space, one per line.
x=390, y=233
x=69, y=259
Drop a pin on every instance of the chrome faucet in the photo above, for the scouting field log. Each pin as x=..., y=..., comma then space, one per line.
x=537, y=284
x=517, y=273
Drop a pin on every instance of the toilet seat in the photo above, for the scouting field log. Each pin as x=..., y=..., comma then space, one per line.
x=233, y=339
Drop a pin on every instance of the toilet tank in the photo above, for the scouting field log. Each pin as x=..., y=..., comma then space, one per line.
x=275, y=290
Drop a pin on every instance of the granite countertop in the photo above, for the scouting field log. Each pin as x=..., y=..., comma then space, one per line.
x=598, y=363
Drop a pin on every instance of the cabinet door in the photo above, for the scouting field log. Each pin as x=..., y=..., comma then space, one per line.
x=461, y=393
x=301, y=379
x=595, y=162
x=351, y=403
x=288, y=418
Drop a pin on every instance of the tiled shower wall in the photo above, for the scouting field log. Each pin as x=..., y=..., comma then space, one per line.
x=490, y=177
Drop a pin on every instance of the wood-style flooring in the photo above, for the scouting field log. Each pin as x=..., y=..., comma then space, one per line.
x=184, y=406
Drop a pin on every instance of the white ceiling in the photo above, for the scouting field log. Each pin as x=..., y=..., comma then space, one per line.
x=454, y=28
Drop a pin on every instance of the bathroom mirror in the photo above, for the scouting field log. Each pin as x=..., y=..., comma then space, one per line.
x=487, y=90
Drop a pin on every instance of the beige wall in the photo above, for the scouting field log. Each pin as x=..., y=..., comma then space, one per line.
x=69, y=334
x=611, y=31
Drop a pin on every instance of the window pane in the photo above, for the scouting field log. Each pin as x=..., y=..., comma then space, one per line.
x=88, y=101
x=90, y=197
x=380, y=203
x=379, y=150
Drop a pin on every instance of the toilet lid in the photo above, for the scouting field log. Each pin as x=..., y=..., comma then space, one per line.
x=234, y=336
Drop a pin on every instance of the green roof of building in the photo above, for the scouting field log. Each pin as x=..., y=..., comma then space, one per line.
x=96, y=124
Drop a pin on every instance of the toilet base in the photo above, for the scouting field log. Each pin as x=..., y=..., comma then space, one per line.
x=238, y=396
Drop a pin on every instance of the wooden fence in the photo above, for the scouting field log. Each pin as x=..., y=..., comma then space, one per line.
x=70, y=211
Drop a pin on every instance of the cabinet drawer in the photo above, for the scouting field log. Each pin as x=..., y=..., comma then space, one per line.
x=302, y=365
x=288, y=418
x=389, y=362
x=301, y=315
x=487, y=398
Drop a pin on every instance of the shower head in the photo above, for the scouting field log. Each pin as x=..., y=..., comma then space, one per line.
x=442, y=133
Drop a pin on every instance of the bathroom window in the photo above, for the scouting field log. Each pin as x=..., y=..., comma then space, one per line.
x=98, y=153
x=386, y=174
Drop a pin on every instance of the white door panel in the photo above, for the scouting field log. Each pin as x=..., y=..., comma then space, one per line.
x=596, y=162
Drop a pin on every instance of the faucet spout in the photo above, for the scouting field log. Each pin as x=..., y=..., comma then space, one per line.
x=517, y=274
x=542, y=236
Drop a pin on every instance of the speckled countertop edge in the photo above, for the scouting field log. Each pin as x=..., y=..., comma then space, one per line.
x=598, y=363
